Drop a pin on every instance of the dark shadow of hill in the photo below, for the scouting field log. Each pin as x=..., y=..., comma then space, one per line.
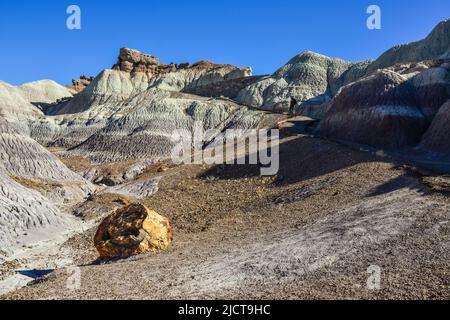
x=301, y=158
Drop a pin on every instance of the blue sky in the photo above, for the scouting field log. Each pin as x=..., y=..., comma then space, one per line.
x=35, y=43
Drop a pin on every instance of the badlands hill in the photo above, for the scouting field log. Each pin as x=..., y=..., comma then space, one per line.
x=29, y=97
x=69, y=156
x=309, y=79
x=36, y=185
x=139, y=99
x=391, y=108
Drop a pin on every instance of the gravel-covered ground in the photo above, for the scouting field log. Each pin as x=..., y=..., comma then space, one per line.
x=316, y=230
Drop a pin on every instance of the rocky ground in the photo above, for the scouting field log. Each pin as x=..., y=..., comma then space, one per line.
x=310, y=232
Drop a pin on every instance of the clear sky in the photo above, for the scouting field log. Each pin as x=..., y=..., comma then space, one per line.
x=36, y=44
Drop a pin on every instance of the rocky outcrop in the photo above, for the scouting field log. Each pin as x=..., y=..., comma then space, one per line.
x=139, y=100
x=399, y=97
x=132, y=230
x=176, y=77
x=25, y=101
x=109, y=86
x=435, y=46
x=431, y=82
x=134, y=61
x=80, y=84
x=131, y=111
x=199, y=74
x=139, y=126
x=378, y=110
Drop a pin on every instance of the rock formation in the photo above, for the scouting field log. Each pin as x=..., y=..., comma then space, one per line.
x=434, y=47
x=35, y=190
x=393, y=105
x=80, y=84
x=199, y=74
x=309, y=80
x=389, y=109
x=132, y=230
x=307, y=83
x=122, y=122
x=25, y=105
x=137, y=99
x=25, y=101
x=378, y=110
x=139, y=126
x=176, y=77
x=130, y=113
x=134, y=61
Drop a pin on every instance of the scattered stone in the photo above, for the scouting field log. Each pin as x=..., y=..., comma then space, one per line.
x=80, y=84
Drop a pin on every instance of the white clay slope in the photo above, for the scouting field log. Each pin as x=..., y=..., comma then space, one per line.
x=22, y=157
x=26, y=216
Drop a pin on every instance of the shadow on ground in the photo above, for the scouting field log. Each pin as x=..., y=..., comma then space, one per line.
x=301, y=158
x=34, y=274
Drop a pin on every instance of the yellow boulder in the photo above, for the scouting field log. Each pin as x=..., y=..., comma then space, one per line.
x=132, y=230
